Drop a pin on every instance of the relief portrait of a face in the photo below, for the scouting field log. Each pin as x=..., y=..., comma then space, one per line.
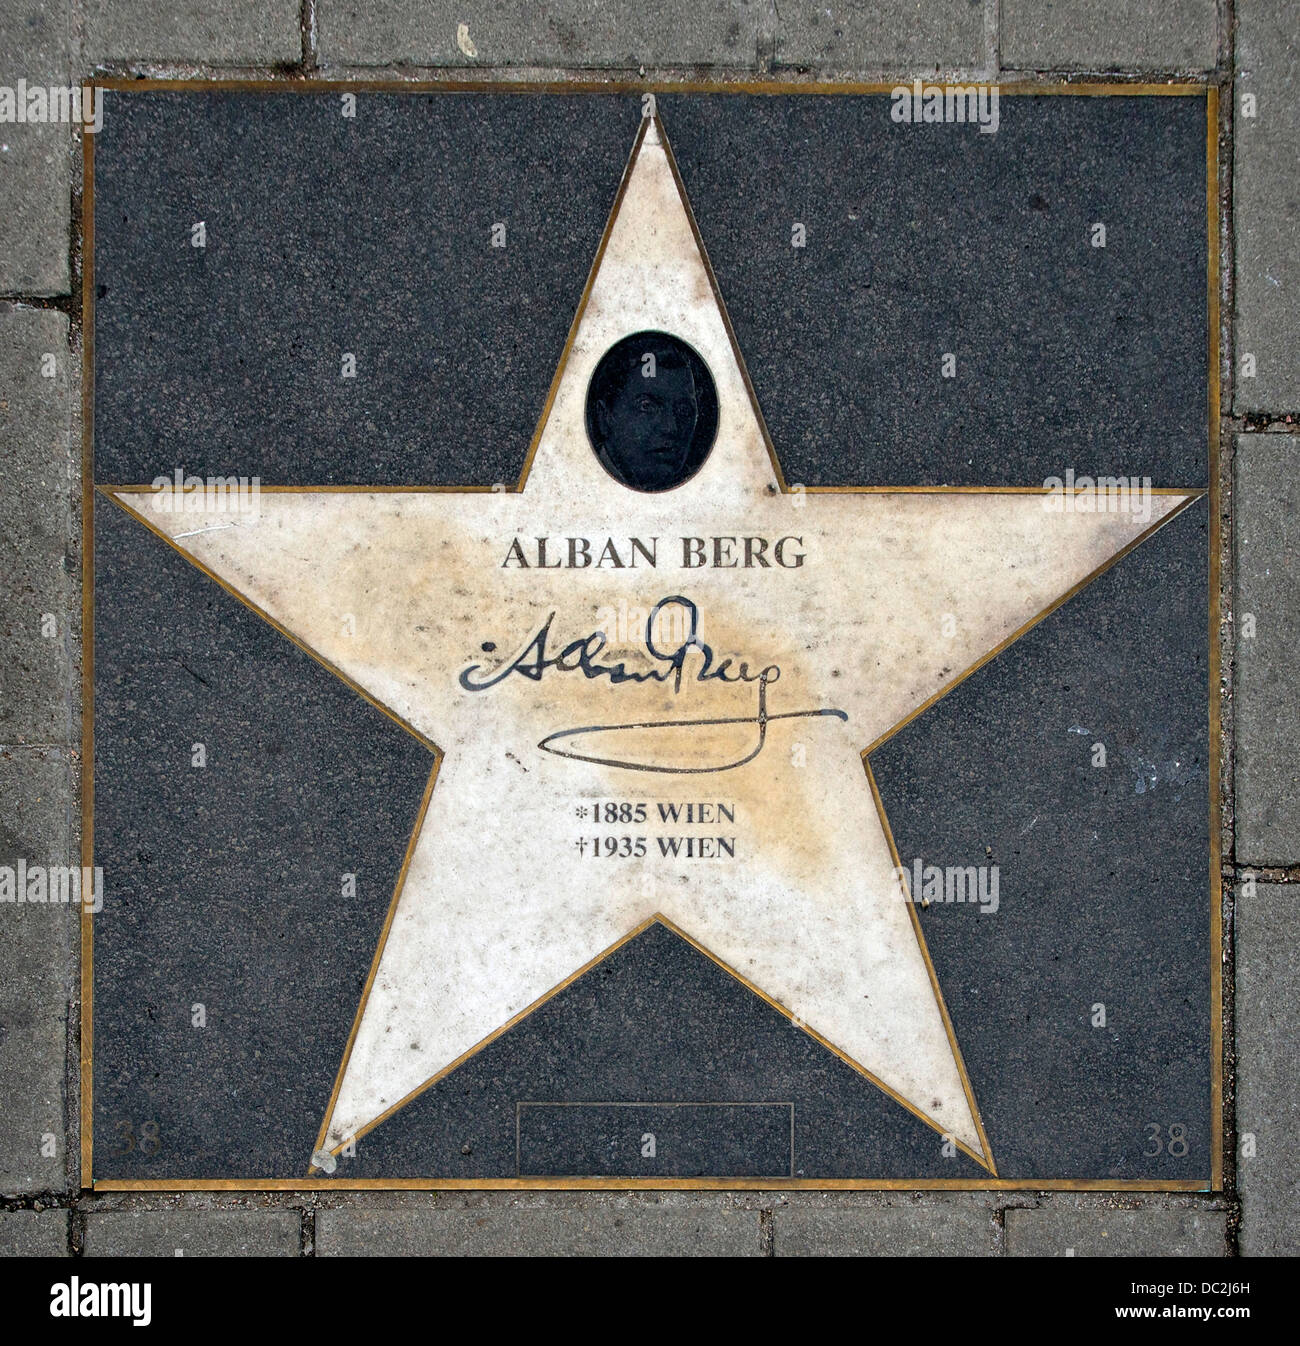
x=652, y=411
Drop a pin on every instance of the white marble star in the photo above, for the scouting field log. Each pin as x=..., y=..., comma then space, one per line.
x=897, y=596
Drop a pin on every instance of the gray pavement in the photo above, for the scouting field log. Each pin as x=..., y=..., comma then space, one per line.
x=192, y=1233
x=1064, y=1229
x=896, y=34
x=1105, y=35
x=202, y=32
x=37, y=557
x=1267, y=620
x=1268, y=1098
x=893, y=1225
x=573, y=34
x=50, y=41
x=36, y=160
x=37, y=970
x=629, y=1227
x=1266, y=201
x=29, y=1233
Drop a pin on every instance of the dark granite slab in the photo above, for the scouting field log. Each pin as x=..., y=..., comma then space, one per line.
x=224, y=884
x=710, y=1039
x=1104, y=872
x=327, y=235
x=372, y=235
x=922, y=240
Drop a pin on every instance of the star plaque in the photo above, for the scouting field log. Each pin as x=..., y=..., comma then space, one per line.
x=651, y=816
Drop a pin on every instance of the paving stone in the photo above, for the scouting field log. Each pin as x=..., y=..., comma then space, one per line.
x=946, y=34
x=1266, y=202
x=567, y=33
x=30, y=1233
x=640, y=1229
x=1268, y=1101
x=1064, y=1230
x=35, y=38
x=36, y=973
x=36, y=159
x=208, y=32
x=1109, y=34
x=1267, y=678
x=36, y=612
x=193, y=1233
x=35, y=204
x=960, y=1228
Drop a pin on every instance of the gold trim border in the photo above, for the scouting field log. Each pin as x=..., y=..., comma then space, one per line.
x=721, y=82
x=1215, y=731
x=87, y=941
x=721, y=85
x=651, y=1185
x=140, y=488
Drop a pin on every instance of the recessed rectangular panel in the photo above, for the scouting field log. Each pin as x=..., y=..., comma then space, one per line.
x=671, y=1140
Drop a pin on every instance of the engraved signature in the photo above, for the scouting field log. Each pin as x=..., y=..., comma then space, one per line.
x=583, y=656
